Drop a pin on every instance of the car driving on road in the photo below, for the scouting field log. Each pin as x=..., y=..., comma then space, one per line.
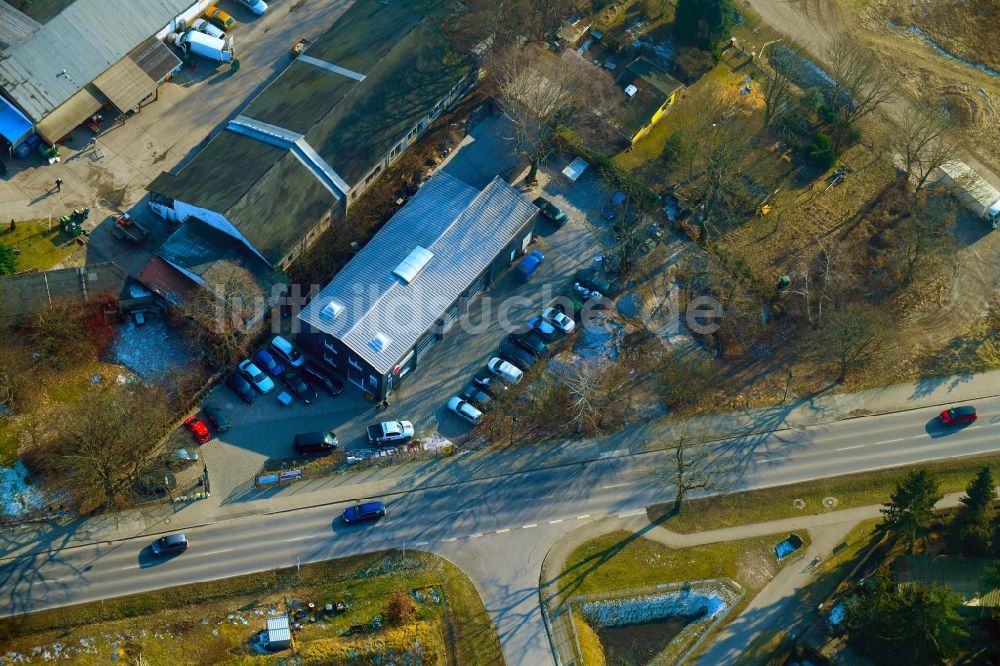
x=364, y=512
x=253, y=374
x=172, y=544
x=958, y=415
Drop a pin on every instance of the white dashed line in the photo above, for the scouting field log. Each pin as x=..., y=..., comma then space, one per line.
x=528, y=527
x=451, y=539
x=634, y=512
x=583, y=517
x=132, y=567
x=301, y=538
x=890, y=441
x=503, y=531
x=617, y=485
x=555, y=522
x=421, y=543
x=475, y=536
x=216, y=552
x=615, y=453
x=851, y=448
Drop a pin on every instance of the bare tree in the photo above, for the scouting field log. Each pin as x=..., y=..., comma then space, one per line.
x=777, y=94
x=691, y=468
x=58, y=332
x=223, y=313
x=860, y=84
x=103, y=442
x=854, y=336
x=541, y=92
x=584, y=383
x=923, y=141
x=818, y=279
x=517, y=19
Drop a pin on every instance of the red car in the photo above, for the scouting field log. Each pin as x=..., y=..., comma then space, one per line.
x=958, y=415
x=198, y=429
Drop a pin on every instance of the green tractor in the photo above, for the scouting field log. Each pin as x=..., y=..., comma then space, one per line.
x=72, y=224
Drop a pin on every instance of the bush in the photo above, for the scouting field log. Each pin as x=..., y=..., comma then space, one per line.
x=820, y=153
x=401, y=608
x=8, y=260
x=692, y=63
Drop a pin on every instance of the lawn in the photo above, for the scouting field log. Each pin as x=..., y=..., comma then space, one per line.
x=39, y=245
x=851, y=490
x=210, y=623
x=621, y=561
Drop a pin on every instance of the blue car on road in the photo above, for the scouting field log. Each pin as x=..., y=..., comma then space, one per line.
x=364, y=512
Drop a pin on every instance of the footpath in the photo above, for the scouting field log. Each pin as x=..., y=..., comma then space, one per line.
x=802, y=413
x=777, y=604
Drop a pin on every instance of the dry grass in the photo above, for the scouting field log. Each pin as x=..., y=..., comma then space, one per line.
x=40, y=247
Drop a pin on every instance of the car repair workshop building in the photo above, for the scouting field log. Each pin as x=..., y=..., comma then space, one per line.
x=379, y=316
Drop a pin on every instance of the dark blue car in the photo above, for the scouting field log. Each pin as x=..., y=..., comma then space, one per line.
x=529, y=265
x=364, y=512
x=268, y=363
x=241, y=387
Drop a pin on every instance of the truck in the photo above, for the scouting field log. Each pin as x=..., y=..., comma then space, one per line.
x=972, y=190
x=126, y=228
x=206, y=46
x=390, y=432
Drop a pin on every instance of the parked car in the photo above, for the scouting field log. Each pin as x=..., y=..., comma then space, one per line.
x=218, y=417
x=542, y=328
x=551, y=211
x=959, y=415
x=363, y=512
x=465, y=410
x=253, y=374
x=529, y=341
x=219, y=17
x=268, y=363
x=298, y=386
x=593, y=280
x=315, y=443
x=172, y=544
x=517, y=356
x=240, y=386
x=258, y=7
x=504, y=370
x=390, y=432
x=559, y=319
x=529, y=265
x=183, y=456
x=477, y=396
x=490, y=384
x=287, y=352
x=330, y=384
x=198, y=429
x=210, y=29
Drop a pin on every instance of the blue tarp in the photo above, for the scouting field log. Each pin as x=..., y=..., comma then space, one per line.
x=13, y=125
x=788, y=546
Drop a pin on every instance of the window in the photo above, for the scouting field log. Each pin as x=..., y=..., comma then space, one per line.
x=328, y=343
x=396, y=150
x=373, y=380
x=330, y=359
x=353, y=362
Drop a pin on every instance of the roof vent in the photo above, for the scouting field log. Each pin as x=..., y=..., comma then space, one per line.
x=413, y=264
x=631, y=90
x=330, y=311
x=379, y=342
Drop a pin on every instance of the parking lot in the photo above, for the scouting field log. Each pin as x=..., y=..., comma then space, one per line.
x=266, y=429
x=195, y=103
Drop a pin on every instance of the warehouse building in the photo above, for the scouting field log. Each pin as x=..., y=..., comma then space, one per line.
x=379, y=316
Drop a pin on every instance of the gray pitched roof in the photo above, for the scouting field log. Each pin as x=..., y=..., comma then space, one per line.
x=83, y=41
x=465, y=230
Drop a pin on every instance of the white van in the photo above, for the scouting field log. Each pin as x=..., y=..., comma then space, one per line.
x=504, y=370
x=210, y=29
x=206, y=46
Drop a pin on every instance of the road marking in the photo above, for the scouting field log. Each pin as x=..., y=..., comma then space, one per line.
x=634, y=512
x=451, y=539
x=615, y=453
x=772, y=459
x=555, y=522
x=301, y=538
x=617, y=485
x=475, y=536
x=890, y=441
x=216, y=552
x=851, y=448
x=53, y=580
x=528, y=527
x=421, y=543
x=134, y=566
x=464, y=510
x=583, y=517
x=503, y=531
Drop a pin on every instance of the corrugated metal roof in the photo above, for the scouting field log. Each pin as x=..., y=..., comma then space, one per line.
x=464, y=229
x=15, y=26
x=278, y=630
x=76, y=46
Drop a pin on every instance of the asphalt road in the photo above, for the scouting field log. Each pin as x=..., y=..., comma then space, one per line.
x=497, y=528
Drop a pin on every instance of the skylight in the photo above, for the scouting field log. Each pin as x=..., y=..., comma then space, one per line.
x=330, y=311
x=379, y=342
x=413, y=264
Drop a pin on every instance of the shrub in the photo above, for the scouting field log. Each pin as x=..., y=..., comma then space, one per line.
x=692, y=63
x=401, y=608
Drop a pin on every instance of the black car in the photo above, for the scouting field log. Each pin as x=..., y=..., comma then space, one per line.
x=217, y=417
x=529, y=341
x=517, y=356
x=173, y=544
x=551, y=211
x=595, y=281
x=298, y=386
x=241, y=387
x=490, y=384
x=313, y=374
x=477, y=396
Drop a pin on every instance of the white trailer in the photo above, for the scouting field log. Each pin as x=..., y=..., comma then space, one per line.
x=206, y=46
x=972, y=190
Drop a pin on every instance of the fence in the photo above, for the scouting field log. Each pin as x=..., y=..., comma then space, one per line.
x=687, y=642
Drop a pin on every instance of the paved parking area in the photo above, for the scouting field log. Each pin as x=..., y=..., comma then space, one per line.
x=195, y=103
x=266, y=429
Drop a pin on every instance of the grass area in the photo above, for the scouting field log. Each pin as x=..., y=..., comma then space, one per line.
x=199, y=623
x=590, y=643
x=623, y=560
x=39, y=245
x=851, y=490
x=8, y=443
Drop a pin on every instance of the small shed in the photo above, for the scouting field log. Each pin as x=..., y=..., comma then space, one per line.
x=575, y=169
x=279, y=634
